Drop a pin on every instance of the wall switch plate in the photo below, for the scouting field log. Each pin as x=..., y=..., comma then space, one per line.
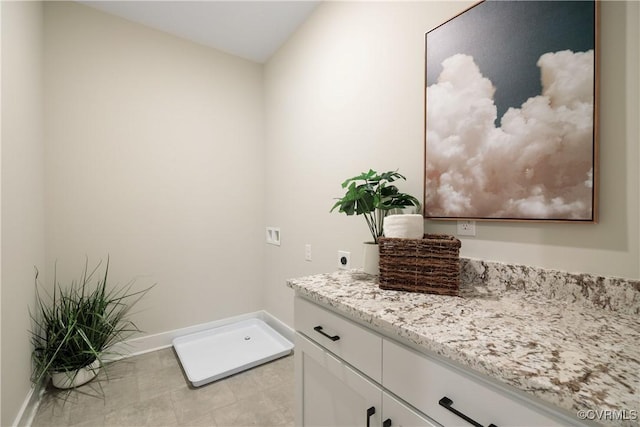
x=344, y=260
x=273, y=236
x=307, y=252
x=466, y=228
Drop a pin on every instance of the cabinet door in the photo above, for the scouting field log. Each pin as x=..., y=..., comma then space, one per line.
x=397, y=414
x=330, y=393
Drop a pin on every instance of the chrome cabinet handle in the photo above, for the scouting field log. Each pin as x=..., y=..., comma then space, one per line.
x=448, y=405
x=332, y=338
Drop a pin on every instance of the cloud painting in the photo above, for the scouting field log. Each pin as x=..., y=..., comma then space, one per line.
x=502, y=160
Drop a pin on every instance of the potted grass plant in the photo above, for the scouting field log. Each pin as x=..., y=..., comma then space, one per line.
x=372, y=195
x=75, y=327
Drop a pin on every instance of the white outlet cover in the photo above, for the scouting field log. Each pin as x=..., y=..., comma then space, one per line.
x=273, y=236
x=347, y=256
x=466, y=228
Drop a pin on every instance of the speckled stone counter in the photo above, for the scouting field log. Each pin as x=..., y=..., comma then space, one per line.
x=570, y=340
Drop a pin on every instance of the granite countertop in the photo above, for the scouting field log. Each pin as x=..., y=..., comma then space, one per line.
x=569, y=354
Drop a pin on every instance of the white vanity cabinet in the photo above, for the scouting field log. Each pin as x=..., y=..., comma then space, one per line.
x=331, y=393
x=349, y=375
x=338, y=374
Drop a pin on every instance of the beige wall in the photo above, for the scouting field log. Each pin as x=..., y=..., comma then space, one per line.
x=154, y=156
x=633, y=88
x=345, y=94
x=22, y=193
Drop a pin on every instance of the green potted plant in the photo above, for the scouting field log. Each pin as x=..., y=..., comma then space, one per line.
x=75, y=327
x=372, y=195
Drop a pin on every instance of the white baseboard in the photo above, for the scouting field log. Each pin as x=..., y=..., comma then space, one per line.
x=29, y=408
x=162, y=340
x=155, y=342
x=277, y=324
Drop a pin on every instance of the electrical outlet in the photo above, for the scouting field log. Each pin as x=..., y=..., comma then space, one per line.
x=344, y=260
x=307, y=252
x=466, y=228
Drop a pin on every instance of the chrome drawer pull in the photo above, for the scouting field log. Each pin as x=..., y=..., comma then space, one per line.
x=370, y=412
x=332, y=338
x=447, y=404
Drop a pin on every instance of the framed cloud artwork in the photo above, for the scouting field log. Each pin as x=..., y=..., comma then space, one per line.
x=511, y=113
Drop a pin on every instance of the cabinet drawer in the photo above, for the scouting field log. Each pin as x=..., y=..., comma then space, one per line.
x=349, y=341
x=423, y=382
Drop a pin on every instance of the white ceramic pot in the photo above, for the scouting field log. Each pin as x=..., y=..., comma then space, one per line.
x=71, y=379
x=371, y=258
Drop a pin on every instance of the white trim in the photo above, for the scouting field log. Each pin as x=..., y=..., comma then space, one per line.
x=148, y=343
x=277, y=324
x=29, y=407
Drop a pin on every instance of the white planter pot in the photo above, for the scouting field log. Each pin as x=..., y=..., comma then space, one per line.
x=71, y=379
x=371, y=258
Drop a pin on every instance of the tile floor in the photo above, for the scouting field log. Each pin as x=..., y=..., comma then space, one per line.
x=151, y=390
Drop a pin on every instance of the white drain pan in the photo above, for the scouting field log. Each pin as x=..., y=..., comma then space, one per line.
x=217, y=353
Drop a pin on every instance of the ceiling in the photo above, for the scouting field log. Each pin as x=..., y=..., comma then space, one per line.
x=252, y=30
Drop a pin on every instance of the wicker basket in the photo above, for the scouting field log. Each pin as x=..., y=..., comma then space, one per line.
x=428, y=265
